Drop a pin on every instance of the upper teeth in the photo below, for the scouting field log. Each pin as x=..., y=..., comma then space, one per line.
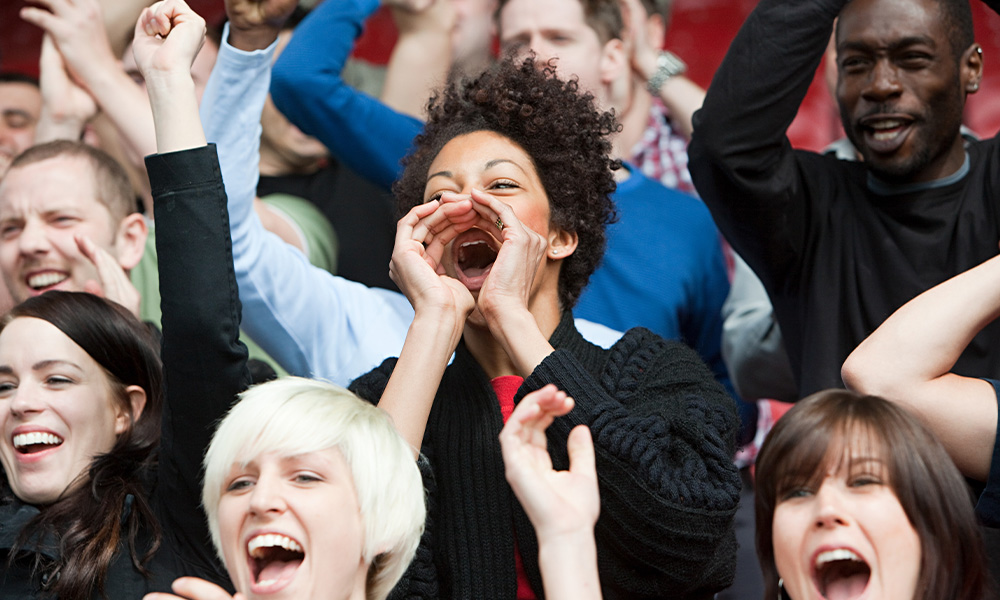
x=838, y=554
x=270, y=540
x=35, y=437
x=45, y=279
x=886, y=124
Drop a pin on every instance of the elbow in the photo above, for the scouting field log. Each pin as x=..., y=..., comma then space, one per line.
x=866, y=375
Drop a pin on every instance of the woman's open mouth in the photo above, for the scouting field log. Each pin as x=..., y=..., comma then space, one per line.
x=274, y=560
x=840, y=574
x=35, y=441
x=473, y=253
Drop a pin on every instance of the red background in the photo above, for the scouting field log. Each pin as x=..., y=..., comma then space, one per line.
x=700, y=33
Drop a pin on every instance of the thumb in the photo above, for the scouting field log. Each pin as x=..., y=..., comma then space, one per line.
x=580, y=447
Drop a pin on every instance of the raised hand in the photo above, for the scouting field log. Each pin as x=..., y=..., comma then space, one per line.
x=192, y=588
x=112, y=281
x=77, y=28
x=66, y=106
x=421, y=237
x=563, y=505
x=168, y=36
x=508, y=286
x=560, y=504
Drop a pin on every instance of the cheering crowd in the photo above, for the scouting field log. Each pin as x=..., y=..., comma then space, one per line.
x=508, y=324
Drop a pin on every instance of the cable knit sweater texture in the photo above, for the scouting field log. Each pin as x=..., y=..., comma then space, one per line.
x=664, y=433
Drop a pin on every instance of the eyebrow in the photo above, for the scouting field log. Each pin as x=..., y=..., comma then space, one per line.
x=912, y=40
x=41, y=365
x=489, y=165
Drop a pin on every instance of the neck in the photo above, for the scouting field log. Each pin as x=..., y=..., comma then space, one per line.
x=633, y=120
x=512, y=348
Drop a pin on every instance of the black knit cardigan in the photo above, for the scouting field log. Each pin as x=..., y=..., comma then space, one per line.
x=664, y=435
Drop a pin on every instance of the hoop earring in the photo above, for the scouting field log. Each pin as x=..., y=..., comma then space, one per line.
x=781, y=588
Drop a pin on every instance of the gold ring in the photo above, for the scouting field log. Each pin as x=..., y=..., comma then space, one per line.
x=499, y=224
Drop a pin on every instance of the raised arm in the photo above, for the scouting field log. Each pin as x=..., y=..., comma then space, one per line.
x=740, y=158
x=908, y=360
x=204, y=361
x=421, y=58
x=563, y=505
x=312, y=323
x=360, y=131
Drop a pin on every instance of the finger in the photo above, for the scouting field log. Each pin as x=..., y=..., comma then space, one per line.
x=492, y=209
x=580, y=446
x=199, y=589
x=38, y=17
x=162, y=596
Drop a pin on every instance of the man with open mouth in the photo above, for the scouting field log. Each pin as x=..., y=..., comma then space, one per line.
x=840, y=245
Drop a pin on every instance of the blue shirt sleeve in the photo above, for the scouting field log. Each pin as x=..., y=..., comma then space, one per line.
x=308, y=89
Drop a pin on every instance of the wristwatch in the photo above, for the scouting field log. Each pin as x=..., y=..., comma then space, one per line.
x=667, y=66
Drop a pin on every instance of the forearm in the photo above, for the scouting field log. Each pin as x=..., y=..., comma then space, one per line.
x=409, y=395
x=757, y=90
x=119, y=20
x=922, y=340
x=307, y=88
x=418, y=65
x=680, y=95
x=128, y=108
x=522, y=340
x=175, y=112
x=569, y=567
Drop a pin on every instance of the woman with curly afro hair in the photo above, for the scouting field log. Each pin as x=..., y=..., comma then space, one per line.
x=506, y=197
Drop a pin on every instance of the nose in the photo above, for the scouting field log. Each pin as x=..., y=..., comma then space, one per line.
x=883, y=83
x=25, y=401
x=266, y=496
x=829, y=508
x=542, y=49
x=34, y=238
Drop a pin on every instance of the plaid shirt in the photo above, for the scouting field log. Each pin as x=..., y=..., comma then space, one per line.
x=661, y=154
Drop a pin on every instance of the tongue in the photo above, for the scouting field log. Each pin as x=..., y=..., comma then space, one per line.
x=846, y=588
x=278, y=569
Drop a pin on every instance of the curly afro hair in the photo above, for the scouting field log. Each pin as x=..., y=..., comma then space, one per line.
x=562, y=131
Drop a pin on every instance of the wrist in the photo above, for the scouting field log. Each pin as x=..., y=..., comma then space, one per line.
x=668, y=66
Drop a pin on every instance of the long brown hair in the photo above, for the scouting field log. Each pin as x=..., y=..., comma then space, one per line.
x=93, y=520
x=819, y=430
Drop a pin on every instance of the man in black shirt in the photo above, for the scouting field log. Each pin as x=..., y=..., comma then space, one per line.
x=840, y=245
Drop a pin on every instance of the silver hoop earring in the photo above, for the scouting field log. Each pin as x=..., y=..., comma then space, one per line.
x=781, y=588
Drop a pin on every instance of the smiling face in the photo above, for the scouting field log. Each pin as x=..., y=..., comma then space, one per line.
x=291, y=527
x=901, y=89
x=558, y=29
x=846, y=537
x=43, y=205
x=57, y=410
x=490, y=162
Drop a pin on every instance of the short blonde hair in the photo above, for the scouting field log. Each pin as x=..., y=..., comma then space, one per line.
x=293, y=416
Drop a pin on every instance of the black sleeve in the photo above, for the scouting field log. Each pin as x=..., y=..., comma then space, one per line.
x=420, y=581
x=203, y=360
x=664, y=436
x=740, y=158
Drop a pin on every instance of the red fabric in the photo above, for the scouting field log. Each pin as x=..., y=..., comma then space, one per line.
x=505, y=387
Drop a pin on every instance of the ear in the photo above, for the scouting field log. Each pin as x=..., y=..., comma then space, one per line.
x=561, y=244
x=972, y=68
x=614, y=61
x=130, y=240
x=137, y=401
